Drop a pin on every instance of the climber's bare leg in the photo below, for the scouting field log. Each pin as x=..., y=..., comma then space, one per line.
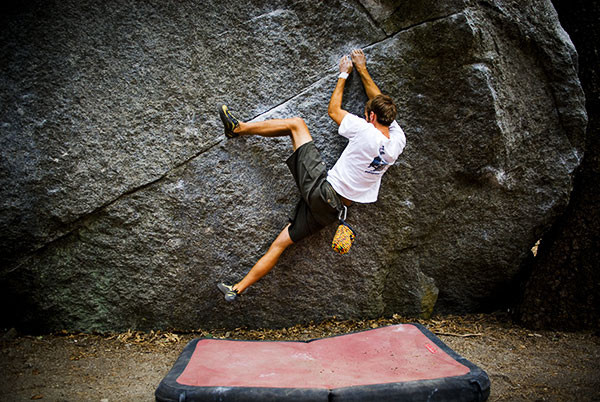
x=294, y=127
x=266, y=262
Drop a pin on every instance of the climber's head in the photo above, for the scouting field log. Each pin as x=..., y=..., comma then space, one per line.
x=383, y=109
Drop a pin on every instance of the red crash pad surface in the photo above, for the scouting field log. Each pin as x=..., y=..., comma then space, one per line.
x=391, y=354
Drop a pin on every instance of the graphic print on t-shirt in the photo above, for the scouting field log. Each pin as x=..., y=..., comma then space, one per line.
x=378, y=164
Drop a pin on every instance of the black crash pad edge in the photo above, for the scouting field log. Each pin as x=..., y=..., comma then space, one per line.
x=473, y=386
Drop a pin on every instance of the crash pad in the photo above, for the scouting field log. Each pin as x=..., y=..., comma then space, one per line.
x=400, y=361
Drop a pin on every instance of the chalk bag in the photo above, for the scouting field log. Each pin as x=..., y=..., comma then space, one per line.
x=344, y=235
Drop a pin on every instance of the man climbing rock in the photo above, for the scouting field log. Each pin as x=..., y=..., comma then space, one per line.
x=375, y=143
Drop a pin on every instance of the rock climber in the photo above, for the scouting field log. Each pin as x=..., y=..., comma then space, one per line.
x=374, y=144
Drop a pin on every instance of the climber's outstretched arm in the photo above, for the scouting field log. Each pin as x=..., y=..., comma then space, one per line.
x=360, y=62
x=335, y=110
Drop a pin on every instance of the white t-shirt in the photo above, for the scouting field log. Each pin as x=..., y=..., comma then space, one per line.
x=357, y=173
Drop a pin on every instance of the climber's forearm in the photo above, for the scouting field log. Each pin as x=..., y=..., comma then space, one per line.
x=335, y=110
x=371, y=88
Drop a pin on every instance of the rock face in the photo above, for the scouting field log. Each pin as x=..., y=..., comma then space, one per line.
x=123, y=203
x=563, y=287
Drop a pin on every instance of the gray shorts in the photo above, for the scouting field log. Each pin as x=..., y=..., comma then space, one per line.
x=320, y=204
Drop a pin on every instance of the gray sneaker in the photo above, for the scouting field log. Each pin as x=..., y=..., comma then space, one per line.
x=230, y=293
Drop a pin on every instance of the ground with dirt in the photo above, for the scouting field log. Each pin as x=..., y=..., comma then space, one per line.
x=522, y=364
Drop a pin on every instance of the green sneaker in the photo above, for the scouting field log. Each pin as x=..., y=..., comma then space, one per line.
x=230, y=293
x=230, y=122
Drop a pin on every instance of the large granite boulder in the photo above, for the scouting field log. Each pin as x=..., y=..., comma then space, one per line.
x=123, y=203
